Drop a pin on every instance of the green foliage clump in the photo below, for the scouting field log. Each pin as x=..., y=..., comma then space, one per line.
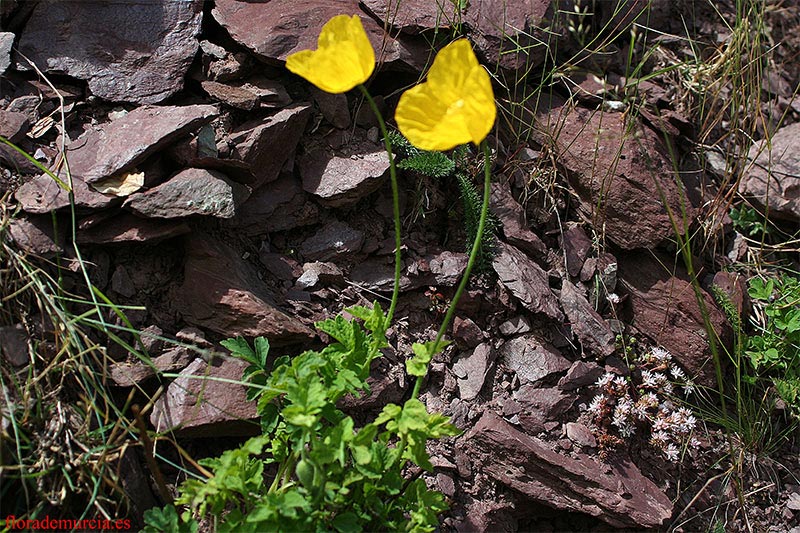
x=749, y=222
x=312, y=469
x=775, y=349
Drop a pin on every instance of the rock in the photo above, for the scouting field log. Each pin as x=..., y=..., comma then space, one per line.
x=662, y=305
x=580, y=435
x=192, y=191
x=342, y=177
x=593, y=332
x=531, y=359
x=526, y=280
x=127, y=52
x=616, y=173
x=134, y=374
x=536, y=406
x=230, y=95
x=277, y=206
x=258, y=93
x=412, y=16
x=377, y=274
x=448, y=267
x=36, y=235
x=734, y=286
x=121, y=282
x=512, y=217
x=333, y=239
x=580, y=374
x=446, y=484
x=234, y=301
x=515, y=326
x=256, y=141
x=616, y=493
x=14, y=345
x=322, y=274
x=510, y=34
x=576, y=247
x=471, y=370
x=43, y=195
x=466, y=333
x=333, y=107
x=281, y=27
x=6, y=42
x=13, y=125
x=125, y=227
x=280, y=266
x=772, y=180
x=198, y=405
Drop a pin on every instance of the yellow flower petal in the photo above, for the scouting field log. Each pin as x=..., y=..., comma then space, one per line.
x=343, y=59
x=454, y=106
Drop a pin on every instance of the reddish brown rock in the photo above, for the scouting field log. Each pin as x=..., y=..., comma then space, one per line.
x=13, y=125
x=471, y=369
x=593, y=332
x=256, y=141
x=619, y=170
x=535, y=406
x=734, y=285
x=532, y=359
x=127, y=52
x=772, y=180
x=662, y=305
x=43, y=195
x=580, y=374
x=125, y=227
x=342, y=177
x=466, y=333
x=512, y=217
x=134, y=374
x=413, y=16
x=335, y=238
x=616, y=493
x=576, y=245
x=36, y=235
x=526, y=280
x=14, y=345
x=233, y=300
x=198, y=404
x=192, y=191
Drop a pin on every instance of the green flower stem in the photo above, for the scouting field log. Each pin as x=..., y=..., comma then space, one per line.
x=473, y=255
x=395, y=201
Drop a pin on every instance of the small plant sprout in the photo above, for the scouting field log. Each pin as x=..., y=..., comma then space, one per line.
x=622, y=405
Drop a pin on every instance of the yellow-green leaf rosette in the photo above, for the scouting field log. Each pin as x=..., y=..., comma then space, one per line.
x=454, y=106
x=344, y=57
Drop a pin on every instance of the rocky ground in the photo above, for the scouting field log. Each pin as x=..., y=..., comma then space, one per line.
x=226, y=197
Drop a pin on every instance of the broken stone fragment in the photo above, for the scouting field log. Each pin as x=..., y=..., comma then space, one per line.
x=526, y=280
x=333, y=239
x=125, y=227
x=193, y=191
x=593, y=332
x=531, y=359
x=471, y=369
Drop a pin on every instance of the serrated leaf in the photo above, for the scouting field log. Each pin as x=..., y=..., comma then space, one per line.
x=423, y=353
x=346, y=522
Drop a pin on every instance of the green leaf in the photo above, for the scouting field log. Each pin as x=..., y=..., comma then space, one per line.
x=346, y=522
x=423, y=353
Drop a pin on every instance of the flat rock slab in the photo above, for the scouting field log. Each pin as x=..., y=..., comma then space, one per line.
x=526, y=280
x=6, y=42
x=276, y=206
x=43, y=195
x=335, y=238
x=662, y=305
x=531, y=359
x=773, y=178
x=275, y=29
x=617, y=170
x=267, y=144
x=197, y=404
x=127, y=52
x=512, y=216
x=593, y=332
x=37, y=235
x=342, y=177
x=534, y=406
x=193, y=191
x=471, y=369
x=616, y=493
x=233, y=300
x=125, y=227
x=413, y=16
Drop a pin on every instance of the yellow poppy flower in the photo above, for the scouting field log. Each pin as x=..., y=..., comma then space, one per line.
x=343, y=59
x=454, y=106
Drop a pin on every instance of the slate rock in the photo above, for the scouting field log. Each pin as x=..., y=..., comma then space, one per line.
x=280, y=266
x=447, y=267
x=531, y=359
x=230, y=95
x=615, y=492
x=256, y=93
x=125, y=227
x=233, y=300
x=43, y=195
x=192, y=191
x=276, y=206
x=36, y=235
x=13, y=125
x=273, y=30
x=616, y=169
x=471, y=369
x=662, y=305
x=576, y=247
x=772, y=177
x=127, y=52
x=256, y=141
x=515, y=325
x=580, y=435
x=342, y=177
x=320, y=274
x=512, y=217
x=466, y=333
x=412, y=16
x=734, y=286
x=593, y=332
x=333, y=107
x=333, y=239
x=14, y=345
x=134, y=374
x=526, y=280
x=197, y=404
x=580, y=374
x=121, y=282
x=6, y=42
x=539, y=405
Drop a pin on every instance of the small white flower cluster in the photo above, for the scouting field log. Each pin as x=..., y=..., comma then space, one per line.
x=620, y=405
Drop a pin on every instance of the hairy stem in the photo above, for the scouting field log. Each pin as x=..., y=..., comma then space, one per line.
x=395, y=201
